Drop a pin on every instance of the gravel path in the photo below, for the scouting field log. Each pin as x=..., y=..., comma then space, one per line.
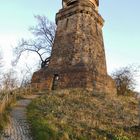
x=18, y=128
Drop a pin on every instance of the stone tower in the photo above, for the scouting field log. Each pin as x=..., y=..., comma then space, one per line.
x=78, y=55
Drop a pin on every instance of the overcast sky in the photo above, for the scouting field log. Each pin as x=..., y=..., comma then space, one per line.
x=121, y=29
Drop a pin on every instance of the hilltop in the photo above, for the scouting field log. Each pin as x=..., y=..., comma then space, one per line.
x=82, y=115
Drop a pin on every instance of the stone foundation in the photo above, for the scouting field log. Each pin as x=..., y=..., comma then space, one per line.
x=75, y=77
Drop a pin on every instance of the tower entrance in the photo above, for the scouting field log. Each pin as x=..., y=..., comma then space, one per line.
x=55, y=82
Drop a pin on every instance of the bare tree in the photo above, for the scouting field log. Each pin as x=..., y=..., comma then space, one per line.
x=9, y=80
x=125, y=79
x=42, y=42
x=1, y=66
x=26, y=75
x=1, y=61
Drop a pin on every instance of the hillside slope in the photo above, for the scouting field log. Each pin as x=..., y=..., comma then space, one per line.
x=82, y=115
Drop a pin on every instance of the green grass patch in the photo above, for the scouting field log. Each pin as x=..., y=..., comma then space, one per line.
x=82, y=115
x=4, y=118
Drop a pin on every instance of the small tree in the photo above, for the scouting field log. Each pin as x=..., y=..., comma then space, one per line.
x=125, y=79
x=1, y=60
x=9, y=80
x=1, y=66
x=26, y=75
x=42, y=42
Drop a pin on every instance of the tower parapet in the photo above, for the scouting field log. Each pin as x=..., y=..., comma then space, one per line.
x=66, y=3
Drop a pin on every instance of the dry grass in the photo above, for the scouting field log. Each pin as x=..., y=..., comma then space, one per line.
x=82, y=115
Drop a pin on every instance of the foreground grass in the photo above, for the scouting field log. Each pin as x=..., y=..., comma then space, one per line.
x=82, y=115
x=4, y=118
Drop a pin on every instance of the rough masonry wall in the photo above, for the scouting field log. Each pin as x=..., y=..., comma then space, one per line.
x=78, y=55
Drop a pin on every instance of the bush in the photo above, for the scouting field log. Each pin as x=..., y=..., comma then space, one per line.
x=125, y=79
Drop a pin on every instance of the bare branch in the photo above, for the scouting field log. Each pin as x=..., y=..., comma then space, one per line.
x=42, y=42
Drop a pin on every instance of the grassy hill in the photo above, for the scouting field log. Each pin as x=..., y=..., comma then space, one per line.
x=82, y=115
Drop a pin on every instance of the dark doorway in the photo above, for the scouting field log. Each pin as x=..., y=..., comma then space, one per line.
x=55, y=82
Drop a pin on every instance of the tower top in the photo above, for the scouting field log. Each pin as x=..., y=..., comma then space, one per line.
x=66, y=3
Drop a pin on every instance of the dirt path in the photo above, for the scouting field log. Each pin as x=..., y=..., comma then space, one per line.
x=18, y=128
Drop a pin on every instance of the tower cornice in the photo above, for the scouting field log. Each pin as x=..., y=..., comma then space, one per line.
x=79, y=8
